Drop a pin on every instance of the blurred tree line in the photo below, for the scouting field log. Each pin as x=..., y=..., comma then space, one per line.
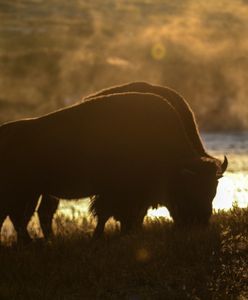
x=52, y=53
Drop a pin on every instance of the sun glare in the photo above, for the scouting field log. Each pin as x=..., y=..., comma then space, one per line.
x=225, y=194
x=232, y=189
x=159, y=212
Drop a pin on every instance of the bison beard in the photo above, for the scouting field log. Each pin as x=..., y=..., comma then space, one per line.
x=131, y=150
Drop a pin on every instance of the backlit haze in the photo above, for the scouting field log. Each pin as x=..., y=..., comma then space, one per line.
x=52, y=53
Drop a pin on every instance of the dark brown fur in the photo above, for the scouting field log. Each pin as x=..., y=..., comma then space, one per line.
x=130, y=148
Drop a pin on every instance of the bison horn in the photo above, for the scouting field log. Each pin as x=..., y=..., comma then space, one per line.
x=224, y=165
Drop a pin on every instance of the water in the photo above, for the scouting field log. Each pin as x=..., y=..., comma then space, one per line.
x=233, y=187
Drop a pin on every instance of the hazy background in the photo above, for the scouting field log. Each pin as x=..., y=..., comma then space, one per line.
x=52, y=53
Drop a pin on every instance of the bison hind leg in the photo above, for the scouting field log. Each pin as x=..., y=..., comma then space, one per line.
x=3, y=216
x=21, y=214
x=46, y=211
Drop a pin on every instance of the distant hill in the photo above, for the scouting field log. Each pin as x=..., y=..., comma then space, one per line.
x=52, y=53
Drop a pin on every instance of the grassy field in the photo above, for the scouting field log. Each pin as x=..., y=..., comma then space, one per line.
x=160, y=262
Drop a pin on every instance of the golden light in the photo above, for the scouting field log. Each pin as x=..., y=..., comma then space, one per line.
x=232, y=189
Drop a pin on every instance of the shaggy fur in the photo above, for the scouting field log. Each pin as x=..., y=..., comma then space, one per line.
x=130, y=148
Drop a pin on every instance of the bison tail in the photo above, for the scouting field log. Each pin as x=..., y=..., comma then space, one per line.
x=92, y=207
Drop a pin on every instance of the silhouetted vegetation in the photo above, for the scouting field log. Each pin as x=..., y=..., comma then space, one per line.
x=159, y=262
x=52, y=53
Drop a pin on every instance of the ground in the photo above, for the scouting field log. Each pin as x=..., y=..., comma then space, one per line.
x=160, y=262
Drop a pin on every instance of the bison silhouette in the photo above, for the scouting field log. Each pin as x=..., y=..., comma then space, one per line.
x=178, y=103
x=131, y=150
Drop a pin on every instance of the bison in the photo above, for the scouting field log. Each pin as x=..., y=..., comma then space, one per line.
x=187, y=117
x=178, y=103
x=130, y=150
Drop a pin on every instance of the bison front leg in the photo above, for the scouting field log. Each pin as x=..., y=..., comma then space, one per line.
x=99, y=230
x=132, y=222
x=46, y=211
x=131, y=213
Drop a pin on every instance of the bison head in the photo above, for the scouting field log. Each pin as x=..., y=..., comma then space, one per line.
x=193, y=189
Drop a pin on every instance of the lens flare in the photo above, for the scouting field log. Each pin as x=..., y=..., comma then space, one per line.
x=142, y=255
x=158, y=51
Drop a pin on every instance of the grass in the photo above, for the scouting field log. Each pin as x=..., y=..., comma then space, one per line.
x=160, y=262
